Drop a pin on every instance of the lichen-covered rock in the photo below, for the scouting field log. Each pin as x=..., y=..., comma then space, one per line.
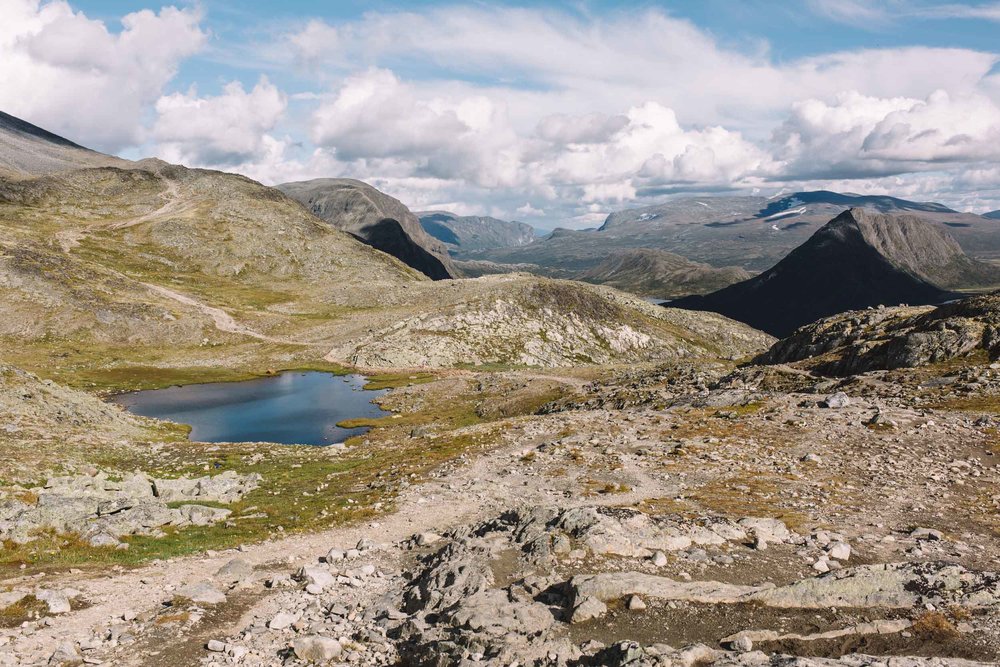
x=890, y=338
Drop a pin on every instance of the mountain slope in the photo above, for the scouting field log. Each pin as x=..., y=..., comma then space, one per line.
x=28, y=150
x=992, y=215
x=658, y=273
x=360, y=209
x=160, y=265
x=858, y=259
x=465, y=234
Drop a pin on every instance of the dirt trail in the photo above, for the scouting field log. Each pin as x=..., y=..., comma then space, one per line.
x=223, y=320
x=173, y=205
x=71, y=238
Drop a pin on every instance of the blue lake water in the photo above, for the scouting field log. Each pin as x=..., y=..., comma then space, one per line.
x=289, y=408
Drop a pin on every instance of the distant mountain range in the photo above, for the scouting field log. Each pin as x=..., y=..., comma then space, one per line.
x=992, y=215
x=751, y=232
x=859, y=259
x=468, y=233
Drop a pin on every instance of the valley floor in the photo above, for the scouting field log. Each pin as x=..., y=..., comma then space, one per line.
x=676, y=515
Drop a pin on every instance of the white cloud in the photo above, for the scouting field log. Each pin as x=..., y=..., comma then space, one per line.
x=529, y=210
x=589, y=128
x=857, y=13
x=523, y=111
x=865, y=136
x=989, y=11
x=70, y=74
x=374, y=116
x=548, y=62
x=226, y=129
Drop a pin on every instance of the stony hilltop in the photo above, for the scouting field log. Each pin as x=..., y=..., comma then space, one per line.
x=891, y=338
x=859, y=259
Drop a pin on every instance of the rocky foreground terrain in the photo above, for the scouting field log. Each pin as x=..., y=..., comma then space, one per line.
x=692, y=512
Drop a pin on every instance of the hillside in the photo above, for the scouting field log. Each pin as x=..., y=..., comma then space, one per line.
x=466, y=234
x=360, y=209
x=525, y=321
x=753, y=233
x=658, y=273
x=27, y=150
x=858, y=259
x=219, y=270
x=992, y=215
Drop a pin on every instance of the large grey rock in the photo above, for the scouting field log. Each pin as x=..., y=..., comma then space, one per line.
x=316, y=648
x=56, y=600
x=202, y=515
x=201, y=592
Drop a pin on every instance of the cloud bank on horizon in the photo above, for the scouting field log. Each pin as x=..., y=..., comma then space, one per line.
x=555, y=115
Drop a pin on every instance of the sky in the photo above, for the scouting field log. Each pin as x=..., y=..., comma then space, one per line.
x=553, y=113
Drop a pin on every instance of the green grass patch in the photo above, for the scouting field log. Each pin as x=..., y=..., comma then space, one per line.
x=396, y=380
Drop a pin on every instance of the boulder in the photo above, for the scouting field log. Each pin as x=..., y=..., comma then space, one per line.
x=235, y=571
x=316, y=648
x=201, y=592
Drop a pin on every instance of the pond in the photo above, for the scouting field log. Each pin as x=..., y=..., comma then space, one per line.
x=289, y=408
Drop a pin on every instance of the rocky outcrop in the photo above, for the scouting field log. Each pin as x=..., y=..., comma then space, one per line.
x=535, y=322
x=859, y=259
x=377, y=219
x=889, y=338
x=101, y=510
x=459, y=604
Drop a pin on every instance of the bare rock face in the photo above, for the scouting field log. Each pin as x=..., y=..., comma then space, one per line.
x=890, y=338
x=456, y=605
x=377, y=219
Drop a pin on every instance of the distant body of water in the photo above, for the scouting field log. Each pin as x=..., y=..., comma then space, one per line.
x=289, y=408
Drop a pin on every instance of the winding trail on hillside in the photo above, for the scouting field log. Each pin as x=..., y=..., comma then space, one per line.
x=171, y=206
x=223, y=321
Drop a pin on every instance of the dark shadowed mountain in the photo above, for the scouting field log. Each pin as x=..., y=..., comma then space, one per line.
x=469, y=233
x=859, y=259
x=28, y=150
x=992, y=215
x=362, y=210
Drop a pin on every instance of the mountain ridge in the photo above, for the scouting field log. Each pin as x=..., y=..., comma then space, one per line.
x=859, y=259
x=29, y=150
